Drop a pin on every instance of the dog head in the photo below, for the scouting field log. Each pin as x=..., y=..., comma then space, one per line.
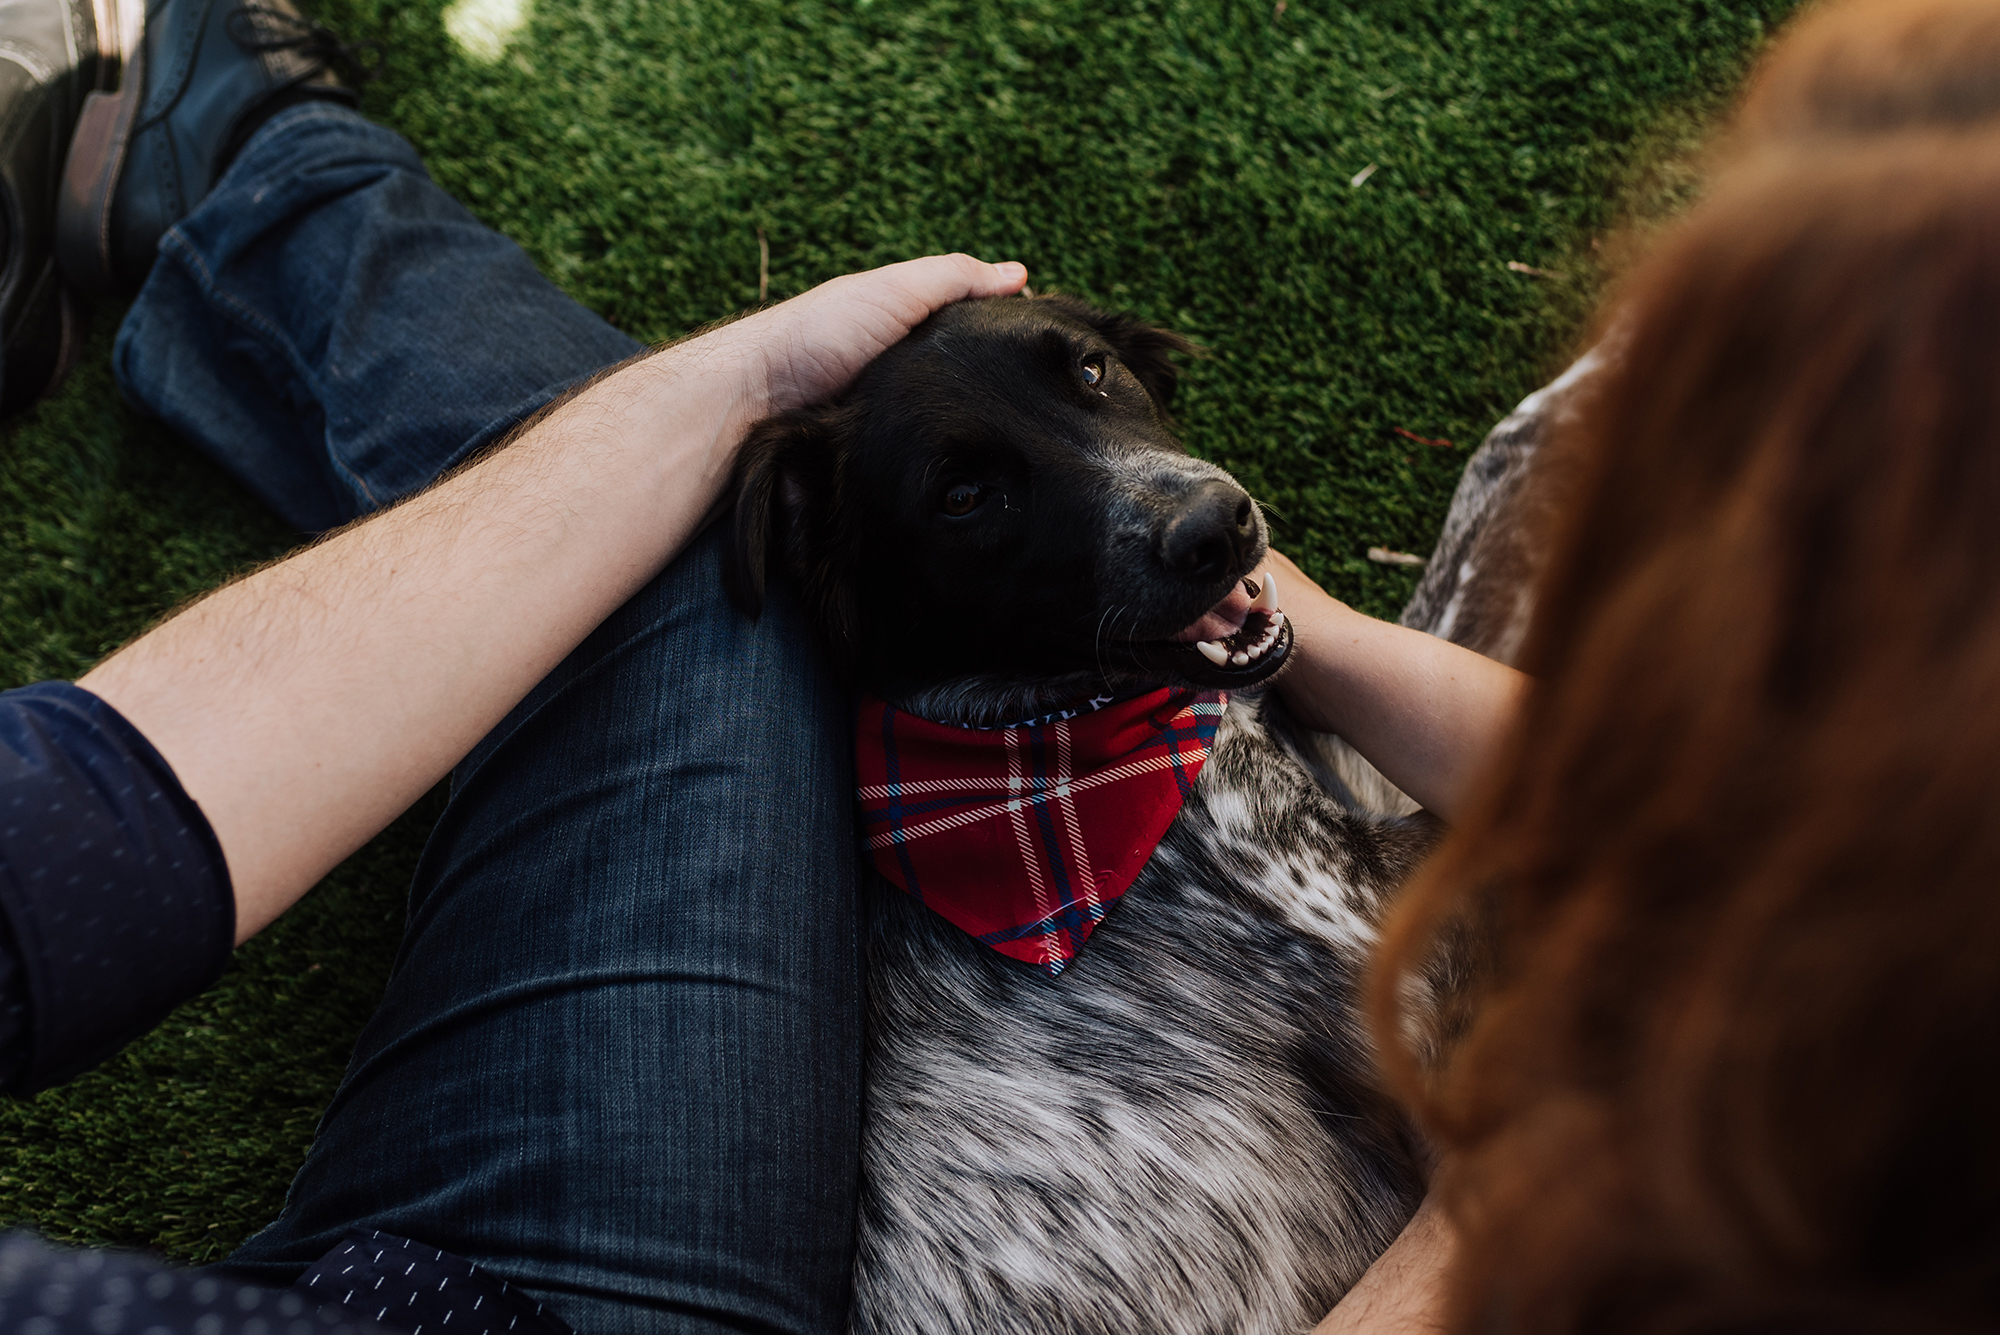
x=997, y=519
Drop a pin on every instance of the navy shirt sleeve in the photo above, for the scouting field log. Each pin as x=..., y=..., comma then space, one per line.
x=371, y=1283
x=47, y=1290
x=115, y=902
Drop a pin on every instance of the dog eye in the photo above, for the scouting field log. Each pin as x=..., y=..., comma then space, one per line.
x=963, y=499
x=1093, y=372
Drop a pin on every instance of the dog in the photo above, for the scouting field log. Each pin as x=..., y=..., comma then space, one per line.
x=1177, y=1129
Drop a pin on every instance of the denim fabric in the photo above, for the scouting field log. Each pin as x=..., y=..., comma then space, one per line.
x=618, y=1062
x=336, y=331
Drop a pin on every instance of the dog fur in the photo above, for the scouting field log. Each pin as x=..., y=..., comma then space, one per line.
x=1182, y=1132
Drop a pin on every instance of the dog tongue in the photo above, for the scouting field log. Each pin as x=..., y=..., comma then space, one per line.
x=1222, y=620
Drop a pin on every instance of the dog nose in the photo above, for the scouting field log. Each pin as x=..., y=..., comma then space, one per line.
x=1211, y=531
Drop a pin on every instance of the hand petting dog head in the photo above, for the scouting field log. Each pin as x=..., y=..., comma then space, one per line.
x=999, y=511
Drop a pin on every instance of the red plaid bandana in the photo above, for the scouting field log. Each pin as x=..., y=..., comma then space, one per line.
x=1025, y=836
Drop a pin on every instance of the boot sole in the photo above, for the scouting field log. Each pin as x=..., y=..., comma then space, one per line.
x=90, y=180
x=43, y=348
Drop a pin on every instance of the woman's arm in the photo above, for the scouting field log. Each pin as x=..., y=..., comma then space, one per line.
x=1426, y=713
x=1422, y=710
x=1403, y=1293
x=305, y=707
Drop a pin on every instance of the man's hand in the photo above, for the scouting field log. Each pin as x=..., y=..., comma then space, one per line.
x=814, y=344
x=306, y=707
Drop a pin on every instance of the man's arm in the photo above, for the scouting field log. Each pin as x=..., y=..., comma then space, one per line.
x=307, y=706
x=1424, y=711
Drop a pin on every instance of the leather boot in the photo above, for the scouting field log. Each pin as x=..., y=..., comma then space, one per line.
x=145, y=155
x=53, y=55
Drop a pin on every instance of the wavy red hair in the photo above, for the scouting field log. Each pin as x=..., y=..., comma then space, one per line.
x=1738, y=872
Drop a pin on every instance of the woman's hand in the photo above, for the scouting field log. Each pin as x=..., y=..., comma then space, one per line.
x=1315, y=615
x=1424, y=711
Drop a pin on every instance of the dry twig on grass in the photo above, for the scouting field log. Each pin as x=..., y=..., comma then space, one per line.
x=1383, y=556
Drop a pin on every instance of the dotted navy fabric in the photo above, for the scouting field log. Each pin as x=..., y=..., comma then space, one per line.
x=115, y=902
x=372, y=1283
x=46, y=1290
x=413, y=1288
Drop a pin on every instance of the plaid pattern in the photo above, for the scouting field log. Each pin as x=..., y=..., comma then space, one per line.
x=1025, y=836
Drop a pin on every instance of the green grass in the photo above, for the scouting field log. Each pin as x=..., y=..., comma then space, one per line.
x=1190, y=160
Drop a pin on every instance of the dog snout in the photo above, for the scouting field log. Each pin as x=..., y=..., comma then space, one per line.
x=1210, y=532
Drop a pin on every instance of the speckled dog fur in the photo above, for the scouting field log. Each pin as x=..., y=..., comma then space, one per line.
x=1180, y=1133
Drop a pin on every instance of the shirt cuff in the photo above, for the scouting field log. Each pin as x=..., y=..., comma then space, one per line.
x=112, y=884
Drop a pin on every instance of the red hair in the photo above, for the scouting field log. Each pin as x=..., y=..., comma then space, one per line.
x=1738, y=871
x=1860, y=69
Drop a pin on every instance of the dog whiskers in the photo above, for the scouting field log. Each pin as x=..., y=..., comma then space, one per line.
x=1097, y=640
x=1131, y=646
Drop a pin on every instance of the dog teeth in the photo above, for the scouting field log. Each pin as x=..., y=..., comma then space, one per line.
x=1220, y=654
x=1264, y=642
x=1267, y=598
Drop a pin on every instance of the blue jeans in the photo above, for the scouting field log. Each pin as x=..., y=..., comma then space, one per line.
x=618, y=1062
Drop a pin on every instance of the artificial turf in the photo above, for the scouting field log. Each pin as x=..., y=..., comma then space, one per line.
x=1195, y=161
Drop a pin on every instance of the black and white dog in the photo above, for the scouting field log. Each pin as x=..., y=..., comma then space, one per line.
x=1180, y=1131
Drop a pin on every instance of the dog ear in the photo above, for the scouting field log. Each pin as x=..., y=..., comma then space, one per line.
x=769, y=501
x=1148, y=352
x=787, y=523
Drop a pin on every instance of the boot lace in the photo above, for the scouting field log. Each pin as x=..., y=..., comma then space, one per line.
x=260, y=28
